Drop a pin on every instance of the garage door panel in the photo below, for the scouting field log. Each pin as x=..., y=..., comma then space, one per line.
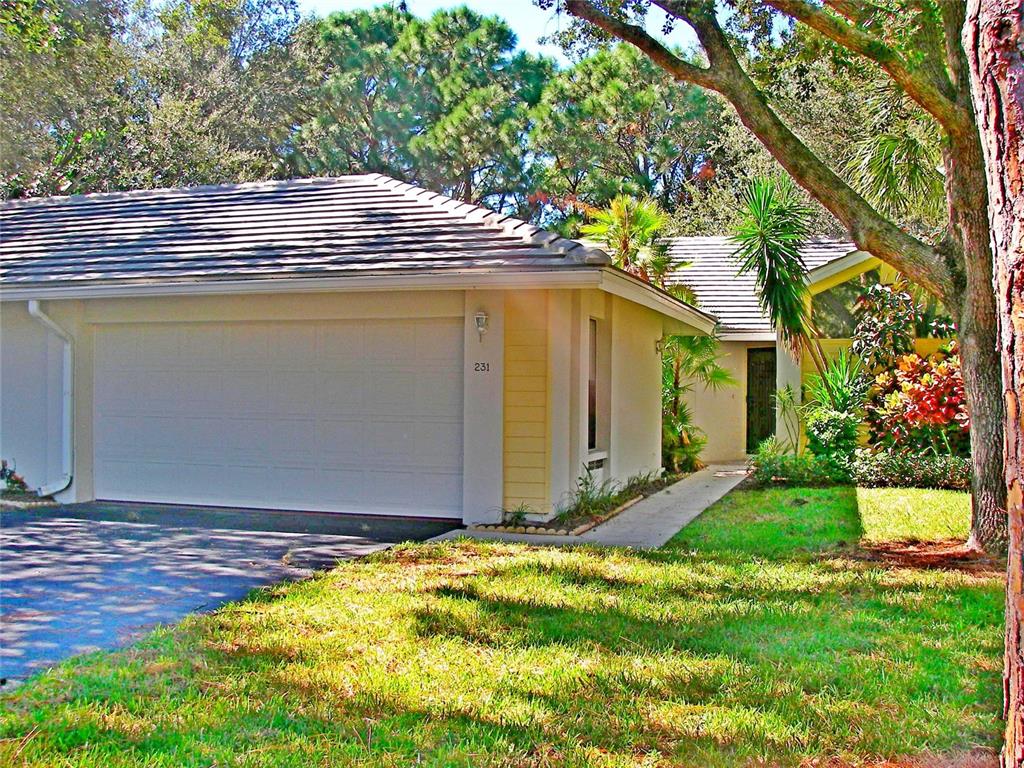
x=437, y=444
x=159, y=392
x=246, y=393
x=291, y=393
x=159, y=438
x=118, y=437
x=201, y=391
x=362, y=416
x=138, y=479
x=389, y=342
x=440, y=490
x=390, y=393
x=440, y=344
x=246, y=482
x=393, y=488
x=121, y=395
x=340, y=393
x=287, y=478
x=163, y=344
x=203, y=438
x=438, y=393
x=119, y=350
x=246, y=346
x=292, y=440
x=341, y=351
x=202, y=346
x=340, y=440
x=389, y=442
x=292, y=347
x=243, y=436
x=340, y=487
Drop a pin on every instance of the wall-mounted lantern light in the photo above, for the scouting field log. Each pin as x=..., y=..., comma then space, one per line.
x=659, y=345
x=481, y=324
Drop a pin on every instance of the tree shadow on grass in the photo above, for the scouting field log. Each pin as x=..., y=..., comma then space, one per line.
x=708, y=655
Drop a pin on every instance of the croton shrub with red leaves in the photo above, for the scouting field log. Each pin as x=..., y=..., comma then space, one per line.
x=11, y=480
x=919, y=405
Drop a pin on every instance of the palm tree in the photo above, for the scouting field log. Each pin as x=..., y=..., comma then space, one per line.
x=768, y=239
x=688, y=360
x=633, y=231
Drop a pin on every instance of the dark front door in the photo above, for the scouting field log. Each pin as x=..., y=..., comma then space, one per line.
x=760, y=389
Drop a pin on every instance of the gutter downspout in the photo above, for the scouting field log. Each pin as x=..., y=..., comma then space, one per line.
x=67, y=402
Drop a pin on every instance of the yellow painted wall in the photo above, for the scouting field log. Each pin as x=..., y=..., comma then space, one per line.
x=526, y=387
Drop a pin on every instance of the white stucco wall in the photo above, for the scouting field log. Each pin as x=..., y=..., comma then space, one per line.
x=722, y=414
x=635, y=440
x=30, y=398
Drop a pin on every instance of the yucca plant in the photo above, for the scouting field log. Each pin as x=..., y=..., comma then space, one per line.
x=774, y=225
x=842, y=385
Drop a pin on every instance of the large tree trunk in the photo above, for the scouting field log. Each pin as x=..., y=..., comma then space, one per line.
x=983, y=389
x=974, y=303
x=994, y=40
x=974, y=306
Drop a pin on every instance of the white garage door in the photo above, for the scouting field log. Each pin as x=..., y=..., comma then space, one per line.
x=346, y=416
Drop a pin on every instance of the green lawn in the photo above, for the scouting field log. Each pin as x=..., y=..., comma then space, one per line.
x=756, y=637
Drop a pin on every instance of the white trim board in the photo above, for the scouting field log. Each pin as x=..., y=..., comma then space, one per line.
x=608, y=279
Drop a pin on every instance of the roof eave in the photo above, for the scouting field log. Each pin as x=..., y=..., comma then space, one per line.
x=461, y=279
x=840, y=270
x=602, y=277
x=727, y=334
x=622, y=284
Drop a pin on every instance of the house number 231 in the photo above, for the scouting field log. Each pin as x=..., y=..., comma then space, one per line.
x=482, y=367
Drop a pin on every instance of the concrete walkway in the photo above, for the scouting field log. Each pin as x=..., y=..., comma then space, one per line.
x=647, y=524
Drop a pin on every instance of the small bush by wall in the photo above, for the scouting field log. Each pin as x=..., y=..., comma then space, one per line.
x=832, y=438
x=897, y=470
x=772, y=465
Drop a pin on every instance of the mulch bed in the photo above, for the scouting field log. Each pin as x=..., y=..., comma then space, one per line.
x=23, y=500
x=951, y=554
x=974, y=758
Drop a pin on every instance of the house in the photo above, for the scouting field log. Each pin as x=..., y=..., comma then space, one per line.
x=352, y=344
x=736, y=419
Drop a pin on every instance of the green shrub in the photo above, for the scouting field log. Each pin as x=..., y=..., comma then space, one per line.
x=772, y=465
x=590, y=498
x=593, y=499
x=842, y=386
x=832, y=438
x=516, y=515
x=903, y=470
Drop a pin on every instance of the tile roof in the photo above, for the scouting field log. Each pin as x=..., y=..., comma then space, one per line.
x=362, y=224
x=707, y=266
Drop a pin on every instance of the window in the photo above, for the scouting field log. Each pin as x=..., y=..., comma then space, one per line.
x=592, y=389
x=834, y=309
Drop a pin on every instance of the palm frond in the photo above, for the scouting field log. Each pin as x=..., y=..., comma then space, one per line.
x=633, y=231
x=768, y=239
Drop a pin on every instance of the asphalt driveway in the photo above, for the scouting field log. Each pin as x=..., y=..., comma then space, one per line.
x=85, y=577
